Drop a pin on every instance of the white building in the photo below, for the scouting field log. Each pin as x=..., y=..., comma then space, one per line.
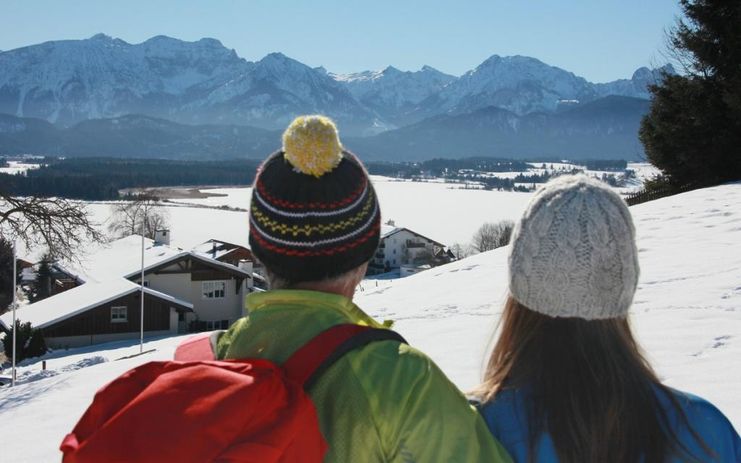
x=407, y=251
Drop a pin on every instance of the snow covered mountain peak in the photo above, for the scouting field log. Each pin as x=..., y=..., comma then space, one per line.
x=203, y=81
x=637, y=85
x=276, y=56
x=102, y=37
x=426, y=68
x=72, y=80
x=645, y=74
x=520, y=84
x=391, y=92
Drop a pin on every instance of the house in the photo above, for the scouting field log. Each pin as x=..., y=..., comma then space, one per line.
x=101, y=312
x=231, y=253
x=183, y=291
x=407, y=251
x=225, y=252
x=59, y=280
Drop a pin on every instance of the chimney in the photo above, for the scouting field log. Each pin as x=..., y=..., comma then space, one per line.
x=246, y=265
x=162, y=237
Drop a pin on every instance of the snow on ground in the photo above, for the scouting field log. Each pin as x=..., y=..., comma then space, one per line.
x=442, y=211
x=45, y=405
x=445, y=212
x=190, y=226
x=18, y=167
x=643, y=171
x=687, y=315
x=687, y=311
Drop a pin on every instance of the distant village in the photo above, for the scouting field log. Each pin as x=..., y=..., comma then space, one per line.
x=99, y=299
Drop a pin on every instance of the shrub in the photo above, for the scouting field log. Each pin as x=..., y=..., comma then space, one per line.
x=29, y=340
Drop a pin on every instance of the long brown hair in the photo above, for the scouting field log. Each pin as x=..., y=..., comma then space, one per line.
x=591, y=388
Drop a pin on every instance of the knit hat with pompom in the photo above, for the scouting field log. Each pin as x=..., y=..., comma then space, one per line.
x=314, y=213
x=573, y=253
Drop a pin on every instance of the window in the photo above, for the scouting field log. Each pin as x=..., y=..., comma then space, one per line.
x=213, y=289
x=119, y=314
x=217, y=325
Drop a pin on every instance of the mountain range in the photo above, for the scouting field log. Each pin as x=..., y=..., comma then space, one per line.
x=516, y=105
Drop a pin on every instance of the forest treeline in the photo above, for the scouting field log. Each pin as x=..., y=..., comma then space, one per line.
x=104, y=178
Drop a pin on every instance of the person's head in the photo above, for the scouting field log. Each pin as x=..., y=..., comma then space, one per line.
x=565, y=335
x=314, y=215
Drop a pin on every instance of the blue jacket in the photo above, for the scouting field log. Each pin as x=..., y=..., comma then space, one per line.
x=506, y=417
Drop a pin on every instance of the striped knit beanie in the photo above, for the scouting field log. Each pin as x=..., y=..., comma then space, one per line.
x=314, y=213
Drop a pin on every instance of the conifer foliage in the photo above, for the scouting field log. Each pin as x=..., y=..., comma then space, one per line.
x=29, y=340
x=6, y=274
x=693, y=129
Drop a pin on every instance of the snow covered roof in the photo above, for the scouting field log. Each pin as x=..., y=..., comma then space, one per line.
x=77, y=300
x=208, y=250
x=122, y=258
x=104, y=273
x=216, y=249
x=387, y=230
x=229, y=268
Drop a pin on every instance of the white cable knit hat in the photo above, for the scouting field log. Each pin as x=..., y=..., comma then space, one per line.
x=573, y=252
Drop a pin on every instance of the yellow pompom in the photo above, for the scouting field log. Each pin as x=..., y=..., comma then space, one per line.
x=311, y=144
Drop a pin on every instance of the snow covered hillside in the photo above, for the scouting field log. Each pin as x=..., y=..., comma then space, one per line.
x=687, y=311
x=687, y=314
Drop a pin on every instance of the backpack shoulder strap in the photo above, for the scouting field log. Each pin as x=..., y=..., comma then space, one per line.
x=308, y=363
x=198, y=347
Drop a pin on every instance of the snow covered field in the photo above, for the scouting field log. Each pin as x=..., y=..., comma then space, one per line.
x=687, y=314
x=18, y=167
x=445, y=212
x=441, y=211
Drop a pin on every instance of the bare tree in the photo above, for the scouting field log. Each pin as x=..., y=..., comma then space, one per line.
x=492, y=235
x=461, y=251
x=60, y=225
x=143, y=213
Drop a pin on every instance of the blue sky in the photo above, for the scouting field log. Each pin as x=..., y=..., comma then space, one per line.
x=600, y=40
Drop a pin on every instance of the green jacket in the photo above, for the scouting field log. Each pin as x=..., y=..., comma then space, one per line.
x=385, y=402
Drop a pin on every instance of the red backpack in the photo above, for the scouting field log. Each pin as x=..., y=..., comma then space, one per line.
x=197, y=409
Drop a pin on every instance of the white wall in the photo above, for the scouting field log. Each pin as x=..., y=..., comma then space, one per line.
x=228, y=308
x=396, y=244
x=180, y=286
